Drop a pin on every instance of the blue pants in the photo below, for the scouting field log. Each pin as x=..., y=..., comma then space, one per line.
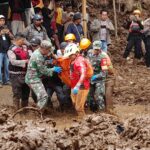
x=4, y=62
x=59, y=92
x=104, y=46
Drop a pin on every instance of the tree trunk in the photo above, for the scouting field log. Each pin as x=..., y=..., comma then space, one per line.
x=84, y=17
x=115, y=18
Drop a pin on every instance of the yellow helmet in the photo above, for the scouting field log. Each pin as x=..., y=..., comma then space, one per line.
x=69, y=37
x=137, y=12
x=84, y=43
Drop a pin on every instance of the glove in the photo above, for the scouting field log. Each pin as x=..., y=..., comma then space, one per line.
x=75, y=90
x=94, y=77
x=57, y=69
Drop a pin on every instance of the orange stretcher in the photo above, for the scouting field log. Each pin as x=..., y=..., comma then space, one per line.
x=65, y=74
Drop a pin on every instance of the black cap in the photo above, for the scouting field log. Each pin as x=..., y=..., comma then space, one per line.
x=35, y=41
x=77, y=16
x=63, y=45
x=19, y=35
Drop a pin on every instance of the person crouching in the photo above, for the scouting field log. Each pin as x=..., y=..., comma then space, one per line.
x=18, y=58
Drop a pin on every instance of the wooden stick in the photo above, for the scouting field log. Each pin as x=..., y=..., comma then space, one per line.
x=84, y=17
x=28, y=108
x=115, y=19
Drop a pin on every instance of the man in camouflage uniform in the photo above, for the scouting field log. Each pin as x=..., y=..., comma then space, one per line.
x=100, y=61
x=36, y=69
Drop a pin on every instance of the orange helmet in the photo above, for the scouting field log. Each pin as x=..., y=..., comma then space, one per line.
x=137, y=12
x=69, y=37
x=84, y=43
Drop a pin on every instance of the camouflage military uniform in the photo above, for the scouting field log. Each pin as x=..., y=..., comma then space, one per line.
x=37, y=68
x=97, y=89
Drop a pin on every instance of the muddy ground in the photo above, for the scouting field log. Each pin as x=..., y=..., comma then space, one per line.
x=127, y=129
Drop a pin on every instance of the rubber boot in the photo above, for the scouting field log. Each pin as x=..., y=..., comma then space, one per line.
x=16, y=103
x=109, y=91
x=24, y=103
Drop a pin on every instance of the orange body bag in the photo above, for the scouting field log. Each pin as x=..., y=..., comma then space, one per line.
x=65, y=74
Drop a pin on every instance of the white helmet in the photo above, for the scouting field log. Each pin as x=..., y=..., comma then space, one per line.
x=71, y=49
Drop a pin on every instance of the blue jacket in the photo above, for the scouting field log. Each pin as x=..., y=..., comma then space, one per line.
x=77, y=30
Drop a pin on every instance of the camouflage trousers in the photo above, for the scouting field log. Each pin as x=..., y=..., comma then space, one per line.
x=39, y=90
x=96, y=95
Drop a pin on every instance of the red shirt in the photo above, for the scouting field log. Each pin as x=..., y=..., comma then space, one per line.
x=17, y=16
x=35, y=2
x=78, y=73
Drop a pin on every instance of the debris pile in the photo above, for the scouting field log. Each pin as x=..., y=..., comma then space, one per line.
x=97, y=131
x=138, y=131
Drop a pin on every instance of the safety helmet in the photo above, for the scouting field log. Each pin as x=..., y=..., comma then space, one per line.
x=70, y=36
x=35, y=41
x=137, y=12
x=84, y=43
x=71, y=49
x=97, y=45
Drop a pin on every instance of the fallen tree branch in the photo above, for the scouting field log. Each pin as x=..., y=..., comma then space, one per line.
x=28, y=108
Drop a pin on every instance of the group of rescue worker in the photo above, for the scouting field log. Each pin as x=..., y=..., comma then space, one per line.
x=37, y=68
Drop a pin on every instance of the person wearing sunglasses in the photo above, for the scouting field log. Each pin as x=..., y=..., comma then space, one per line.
x=36, y=30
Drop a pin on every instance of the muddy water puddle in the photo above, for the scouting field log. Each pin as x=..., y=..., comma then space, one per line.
x=66, y=119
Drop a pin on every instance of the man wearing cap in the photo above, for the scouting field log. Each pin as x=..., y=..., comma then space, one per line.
x=101, y=64
x=5, y=42
x=60, y=52
x=36, y=69
x=35, y=44
x=76, y=27
x=36, y=30
x=134, y=24
x=18, y=58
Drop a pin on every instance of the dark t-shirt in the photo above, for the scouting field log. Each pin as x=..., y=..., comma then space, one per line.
x=4, y=43
x=27, y=3
x=47, y=21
